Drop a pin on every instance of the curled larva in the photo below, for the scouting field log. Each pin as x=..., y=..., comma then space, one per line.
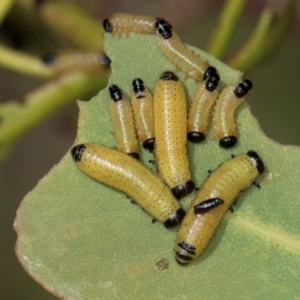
x=123, y=123
x=68, y=61
x=120, y=23
x=173, y=48
x=170, y=115
x=215, y=197
x=128, y=175
x=201, y=105
x=223, y=121
x=142, y=106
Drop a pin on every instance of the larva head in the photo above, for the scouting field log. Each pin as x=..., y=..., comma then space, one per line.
x=163, y=28
x=168, y=75
x=209, y=72
x=149, y=144
x=227, y=142
x=257, y=161
x=77, y=152
x=212, y=82
x=196, y=137
x=49, y=58
x=243, y=88
x=138, y=85
x=115, y=93
x=181, y=191
x=175, y=219
x=104, y=60
x=107, y=26
x=184, y=253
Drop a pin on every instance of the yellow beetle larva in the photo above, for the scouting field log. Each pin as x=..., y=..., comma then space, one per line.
x=128, y=175
x=173, y=48
x=223, y=121
x=142, y=106
x=68, y=61
x=201, y=105
x=170, y=115
x=120, y=23
x=123, y=123
x=215, y=197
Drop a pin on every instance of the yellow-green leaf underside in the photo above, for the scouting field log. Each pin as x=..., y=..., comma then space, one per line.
x=83, y=240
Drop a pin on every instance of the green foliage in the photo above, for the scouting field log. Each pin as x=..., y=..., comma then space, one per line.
x=83, y=240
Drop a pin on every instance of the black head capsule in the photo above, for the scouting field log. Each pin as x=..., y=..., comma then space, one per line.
x=181, y=191
x=115, y=93
x=104, y=60
x=209, y=72
x=138, y=85
x=212, y=82
x=77, y=151
x=107, y=26
x=196, y=137
x=175, y=219
x=168, y=75
x=257, y=160
x=243, y=88
x=228, y=142
x=163, y=28
x=149, y=144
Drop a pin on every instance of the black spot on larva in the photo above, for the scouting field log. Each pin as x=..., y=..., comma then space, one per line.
x=163, y=28
x=243, y=88
x=138, y=85
x=207, y=205
x=168, y=75
x=49, y=58
x=149, y=144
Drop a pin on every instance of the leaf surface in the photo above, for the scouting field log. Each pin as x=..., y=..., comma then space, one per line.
x=83, y=240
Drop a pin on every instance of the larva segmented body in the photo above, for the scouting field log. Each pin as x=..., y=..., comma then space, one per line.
x=211, y=203
x=68, y=61
x=170, y=134
x=142, y=106
x=201, y=105
x=128, y=175
x=173, y=48
x=123, y=123
x=223, y=121
x=120, y=23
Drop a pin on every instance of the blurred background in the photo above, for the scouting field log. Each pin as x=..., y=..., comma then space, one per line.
x=275, y=102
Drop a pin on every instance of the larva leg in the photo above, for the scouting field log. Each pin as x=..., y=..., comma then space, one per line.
x=256, y=184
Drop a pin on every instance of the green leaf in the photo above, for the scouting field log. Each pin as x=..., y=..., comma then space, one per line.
x=83, y=240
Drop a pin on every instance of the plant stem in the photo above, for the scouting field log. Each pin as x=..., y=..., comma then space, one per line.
x=41, y=103
x=24, y=63
x=221, y=36
x=74, y=24
x=5, y=5
x=270, y=31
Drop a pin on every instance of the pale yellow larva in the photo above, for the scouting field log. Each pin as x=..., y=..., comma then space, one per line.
x=120, y=23
x=142, y=106
x=170, y=116
x=223, y=121
x=215, y=197
x=123, y=123
x=128, y=175
x=70, y=60
x=173, y=48
x=201, y=105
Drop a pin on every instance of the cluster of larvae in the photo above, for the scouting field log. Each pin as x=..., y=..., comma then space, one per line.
x=162, y=125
